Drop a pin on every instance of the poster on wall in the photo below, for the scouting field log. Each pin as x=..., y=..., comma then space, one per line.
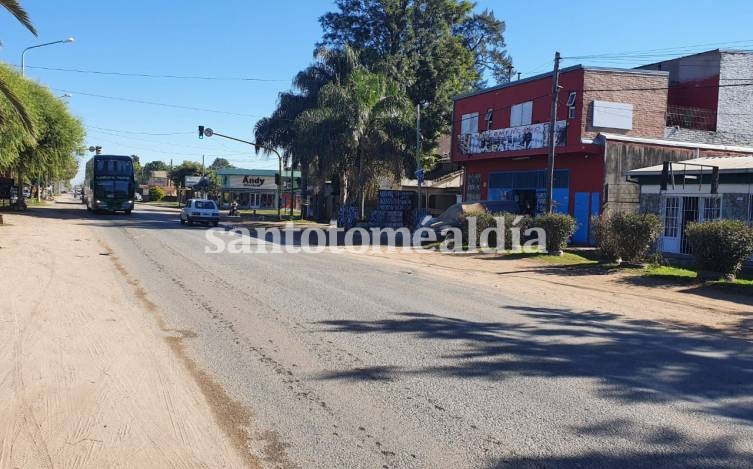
x=526, y=137
x=473, y=187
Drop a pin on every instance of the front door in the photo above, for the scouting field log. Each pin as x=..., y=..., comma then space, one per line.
x=671, y=209
x=689, y=214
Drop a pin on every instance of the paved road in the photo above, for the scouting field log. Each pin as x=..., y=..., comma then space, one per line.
x=349, y=362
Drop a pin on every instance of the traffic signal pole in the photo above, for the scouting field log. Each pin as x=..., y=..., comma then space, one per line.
x=206, y=131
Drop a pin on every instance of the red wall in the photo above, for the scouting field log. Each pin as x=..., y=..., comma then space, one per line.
x=502, y=99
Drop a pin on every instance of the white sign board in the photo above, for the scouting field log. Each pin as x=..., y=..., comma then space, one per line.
x=613, y=115
x=251, y=182
x=192, y=180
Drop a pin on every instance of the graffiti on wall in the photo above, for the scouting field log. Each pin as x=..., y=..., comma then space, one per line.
x=526, y=137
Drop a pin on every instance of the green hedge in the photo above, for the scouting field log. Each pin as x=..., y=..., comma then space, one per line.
x=156, y=193
x=626, y=236
x=720, y=246
x=559, y=228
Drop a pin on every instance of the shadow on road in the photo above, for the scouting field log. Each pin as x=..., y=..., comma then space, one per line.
x=633, y=361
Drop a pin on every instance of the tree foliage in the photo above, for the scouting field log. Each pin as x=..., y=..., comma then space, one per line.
x=187, y=168
x=220, y=163
x=152, y=166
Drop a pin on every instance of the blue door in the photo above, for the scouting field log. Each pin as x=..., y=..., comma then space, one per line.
x=595, y=209
x=582, y=212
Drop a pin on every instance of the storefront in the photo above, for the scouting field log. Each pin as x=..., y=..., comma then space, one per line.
x=257, y=189
x=688, y=192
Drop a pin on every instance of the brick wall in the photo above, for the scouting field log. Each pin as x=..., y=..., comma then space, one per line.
x=649, y=106
x=735, y=102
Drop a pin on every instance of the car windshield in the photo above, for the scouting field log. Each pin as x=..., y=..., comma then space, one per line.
x=106, y=167
x=205, y=204
x=112, y=189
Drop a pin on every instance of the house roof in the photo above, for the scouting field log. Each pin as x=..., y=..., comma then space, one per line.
x=726, y=164
x=670, y=143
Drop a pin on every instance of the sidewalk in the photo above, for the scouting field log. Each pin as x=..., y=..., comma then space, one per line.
x=88, y=375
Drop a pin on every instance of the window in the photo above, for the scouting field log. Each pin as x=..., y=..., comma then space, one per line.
x=671, y=214
x=520, y=114
x=712, y=208
x=571, y=113
x=205, y=204
x=469, y=123
x=571, y=99
x=489, y=118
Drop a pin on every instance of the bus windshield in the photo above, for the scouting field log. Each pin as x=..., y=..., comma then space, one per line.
x=105, y=167
x=112, y=189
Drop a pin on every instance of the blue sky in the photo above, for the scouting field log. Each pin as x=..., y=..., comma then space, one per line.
x=274, y=40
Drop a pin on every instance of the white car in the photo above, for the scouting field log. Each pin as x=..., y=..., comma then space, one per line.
x=201, y=211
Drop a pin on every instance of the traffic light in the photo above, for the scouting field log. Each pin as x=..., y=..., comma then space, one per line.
x=201, y=132
x=97, y=150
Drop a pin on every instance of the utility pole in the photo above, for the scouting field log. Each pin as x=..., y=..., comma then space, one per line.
x=552, y=135
x=419, y=176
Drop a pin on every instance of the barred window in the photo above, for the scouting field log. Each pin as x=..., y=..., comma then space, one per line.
x=671, y=217
x=712, y=208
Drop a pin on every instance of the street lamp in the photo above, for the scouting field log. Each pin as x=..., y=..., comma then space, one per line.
x=23, y=54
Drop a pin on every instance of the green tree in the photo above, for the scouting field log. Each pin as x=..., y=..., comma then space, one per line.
x=437, y=48
x=280, y=129
x=16, y=105
x=359, y=127
x=220, y=163
x=155, y=166
x=59, y=137
x=187, y=168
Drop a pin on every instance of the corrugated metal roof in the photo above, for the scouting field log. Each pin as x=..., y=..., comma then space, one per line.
x=726, y=164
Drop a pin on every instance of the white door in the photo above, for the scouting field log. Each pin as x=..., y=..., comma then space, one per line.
x=254, y=200
x=672, y=215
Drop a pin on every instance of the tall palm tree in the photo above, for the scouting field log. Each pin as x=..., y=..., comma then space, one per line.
x=14, y=8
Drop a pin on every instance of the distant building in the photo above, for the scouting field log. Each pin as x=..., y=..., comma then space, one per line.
x=709, y=100
x=258, y=189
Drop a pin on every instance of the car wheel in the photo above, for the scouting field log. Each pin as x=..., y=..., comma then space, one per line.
x=215, y=223
x=190, y=223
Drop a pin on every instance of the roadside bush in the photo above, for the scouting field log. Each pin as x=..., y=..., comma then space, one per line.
x=626, y=236
x=606, y=241
x=720, y=246
x=525, y=222
x=484, y=220
x=156, y=193
x=558, y=228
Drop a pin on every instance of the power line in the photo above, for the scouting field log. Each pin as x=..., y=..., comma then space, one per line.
x=658, y=52
x=148, y=75
x=160, y=134
x=153, y=103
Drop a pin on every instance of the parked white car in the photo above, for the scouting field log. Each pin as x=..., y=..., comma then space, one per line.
x=201, y=211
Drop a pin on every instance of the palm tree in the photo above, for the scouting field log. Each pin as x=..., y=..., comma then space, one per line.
x=280, y=129
x=360, y=128
x=15, y=9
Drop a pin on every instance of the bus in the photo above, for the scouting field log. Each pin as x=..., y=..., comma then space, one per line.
x=109, y=184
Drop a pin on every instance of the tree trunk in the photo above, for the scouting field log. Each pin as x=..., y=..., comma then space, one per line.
x=20, y=204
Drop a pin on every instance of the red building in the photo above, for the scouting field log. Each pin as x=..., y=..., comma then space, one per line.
x=500, y=136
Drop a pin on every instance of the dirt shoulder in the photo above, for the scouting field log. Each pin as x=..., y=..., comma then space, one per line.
x=89, y=377
x=580, y=289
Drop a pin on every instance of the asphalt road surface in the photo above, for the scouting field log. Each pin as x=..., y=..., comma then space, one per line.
x=344, y=361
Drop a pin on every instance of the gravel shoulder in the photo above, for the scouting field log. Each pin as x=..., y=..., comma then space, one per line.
x=89, y=374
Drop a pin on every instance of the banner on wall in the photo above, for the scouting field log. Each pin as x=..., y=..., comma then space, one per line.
x=526, y=137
